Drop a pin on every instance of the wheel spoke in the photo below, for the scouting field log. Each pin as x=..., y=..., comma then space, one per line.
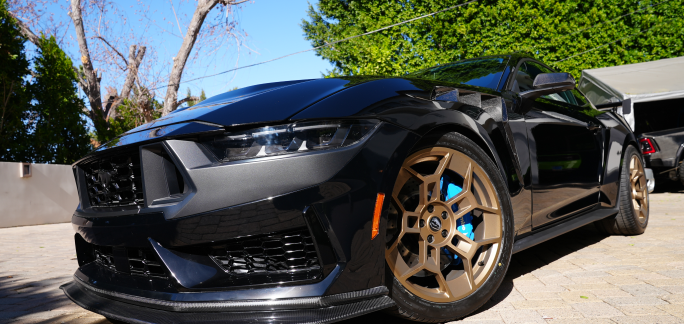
x=468, y=178
x=468, y=267
x=488, y=209
x=432, y=263
x=488, y=241
x=465, y=247
x=443, y=164
x=638, y=195
x=406, y=229
x=443, y=284
x=415, y=174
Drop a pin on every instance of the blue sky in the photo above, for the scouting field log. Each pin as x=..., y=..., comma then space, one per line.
x=272, y=28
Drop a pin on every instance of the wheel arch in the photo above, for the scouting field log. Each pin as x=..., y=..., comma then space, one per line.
x=479, y=137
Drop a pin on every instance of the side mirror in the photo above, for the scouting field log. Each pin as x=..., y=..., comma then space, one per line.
x=547, y=83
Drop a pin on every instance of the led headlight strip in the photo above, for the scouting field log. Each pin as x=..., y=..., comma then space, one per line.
x=288, y=139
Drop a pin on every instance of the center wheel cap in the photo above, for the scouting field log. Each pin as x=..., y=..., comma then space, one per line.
x=435, y=224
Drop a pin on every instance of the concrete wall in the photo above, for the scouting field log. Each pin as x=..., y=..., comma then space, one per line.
x=48, y=196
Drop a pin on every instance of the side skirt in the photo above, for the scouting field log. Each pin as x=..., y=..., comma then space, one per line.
x=561, y=228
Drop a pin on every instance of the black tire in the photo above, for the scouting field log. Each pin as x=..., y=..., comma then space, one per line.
x=626, y=221
x=414, y=308
x=680, y=172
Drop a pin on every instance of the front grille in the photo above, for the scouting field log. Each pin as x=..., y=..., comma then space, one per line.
x=270, y=259
x=114, y=180
x=135, y=261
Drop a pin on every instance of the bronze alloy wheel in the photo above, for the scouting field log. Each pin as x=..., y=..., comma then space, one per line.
x=639, y=188
x=426, y=251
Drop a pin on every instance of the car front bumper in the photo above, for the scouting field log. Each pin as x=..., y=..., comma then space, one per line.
x=133, y=309
x=333, y=203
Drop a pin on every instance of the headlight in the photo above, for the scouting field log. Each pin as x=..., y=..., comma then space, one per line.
x=288, y=139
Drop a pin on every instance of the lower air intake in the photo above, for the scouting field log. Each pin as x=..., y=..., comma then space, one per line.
x=274, y=258
x=134, y=261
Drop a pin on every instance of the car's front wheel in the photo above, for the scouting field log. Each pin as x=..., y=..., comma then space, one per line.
x=450, y=231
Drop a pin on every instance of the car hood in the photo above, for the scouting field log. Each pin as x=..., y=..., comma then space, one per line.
x=281, y=102
x=261, y=103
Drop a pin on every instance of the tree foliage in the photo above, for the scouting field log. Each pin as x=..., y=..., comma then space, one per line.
x=201, y=98
x=59, y=133
x=550, y=30
x=42, y=115
x=139, y=109
x=14, y=97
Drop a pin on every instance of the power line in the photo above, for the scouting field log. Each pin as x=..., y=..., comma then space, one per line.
x=327, y=44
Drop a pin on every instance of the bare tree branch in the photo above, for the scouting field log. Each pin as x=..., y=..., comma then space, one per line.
x=91, y=82
x=134, y=60
x=182, y=101
x=26, y=31
x=112, y=47
x=179, y=61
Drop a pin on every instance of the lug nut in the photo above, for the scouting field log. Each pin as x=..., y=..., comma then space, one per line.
x=481, y=263
x=431, y=208
x=431, y=238
x=444, y=215
x=445, y=233
x=422, y=223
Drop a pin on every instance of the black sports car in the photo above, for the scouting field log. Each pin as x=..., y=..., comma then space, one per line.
x=319, y=200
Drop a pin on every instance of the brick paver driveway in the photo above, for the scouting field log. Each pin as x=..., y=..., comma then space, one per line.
x=580, y=277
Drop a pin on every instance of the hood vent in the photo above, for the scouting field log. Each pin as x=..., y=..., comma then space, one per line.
x=491, y=104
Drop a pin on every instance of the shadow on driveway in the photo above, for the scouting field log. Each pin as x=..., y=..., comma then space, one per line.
x=40, y=301
x=521, y=264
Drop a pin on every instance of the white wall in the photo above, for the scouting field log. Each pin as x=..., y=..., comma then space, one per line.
x=48, y=196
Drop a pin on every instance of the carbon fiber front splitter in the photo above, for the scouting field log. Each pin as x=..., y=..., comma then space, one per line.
x=302, y=310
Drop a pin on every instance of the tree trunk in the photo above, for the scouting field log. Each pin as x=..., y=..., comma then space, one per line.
x=90, y=81
x=134, y=60
x=203, y=8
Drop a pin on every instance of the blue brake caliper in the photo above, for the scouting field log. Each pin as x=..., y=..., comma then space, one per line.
x=465, y=223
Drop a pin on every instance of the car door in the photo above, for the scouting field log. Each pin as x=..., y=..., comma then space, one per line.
x=565, y=150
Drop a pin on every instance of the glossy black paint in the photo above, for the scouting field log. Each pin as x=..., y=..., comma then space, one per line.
x=525, y=138
x=275, y=102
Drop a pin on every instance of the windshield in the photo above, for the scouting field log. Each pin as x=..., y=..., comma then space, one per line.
x=481, y=72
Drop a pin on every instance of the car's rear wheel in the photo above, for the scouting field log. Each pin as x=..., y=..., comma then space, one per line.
x=450, y=231
x=632, y=218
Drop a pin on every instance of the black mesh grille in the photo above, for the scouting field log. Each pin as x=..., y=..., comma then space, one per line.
x=114, y=180
x=269, y=259
x=135, y=261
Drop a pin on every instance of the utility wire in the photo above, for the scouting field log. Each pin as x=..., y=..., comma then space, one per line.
x=325, y=45
x=417, y=18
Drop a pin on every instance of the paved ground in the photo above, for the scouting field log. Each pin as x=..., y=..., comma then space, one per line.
x=580, y=277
